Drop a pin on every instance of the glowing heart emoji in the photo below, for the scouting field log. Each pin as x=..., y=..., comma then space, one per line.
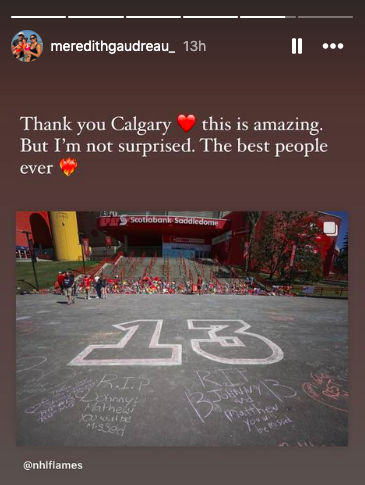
x=68, y=165
x=186, y=122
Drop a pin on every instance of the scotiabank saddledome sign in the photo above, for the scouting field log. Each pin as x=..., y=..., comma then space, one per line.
x=126, y=220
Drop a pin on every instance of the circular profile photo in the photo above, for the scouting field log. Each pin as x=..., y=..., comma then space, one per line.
x=26, y=46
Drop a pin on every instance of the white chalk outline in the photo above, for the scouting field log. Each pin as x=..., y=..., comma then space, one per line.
x=175, y=358
x=276, y=356
x=44, y=359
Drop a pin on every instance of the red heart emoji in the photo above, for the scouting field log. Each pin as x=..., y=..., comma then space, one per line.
x=68, y=165
x=186, y=122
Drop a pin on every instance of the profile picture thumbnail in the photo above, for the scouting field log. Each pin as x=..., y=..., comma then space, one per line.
x=27, y=46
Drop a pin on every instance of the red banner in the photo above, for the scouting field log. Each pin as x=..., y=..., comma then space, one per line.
x=86, y=245
x=32, y=251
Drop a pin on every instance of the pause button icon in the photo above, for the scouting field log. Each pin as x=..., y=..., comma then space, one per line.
x=296, y=46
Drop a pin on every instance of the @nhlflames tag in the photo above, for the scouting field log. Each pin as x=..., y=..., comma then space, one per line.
x=68, y=165
x=186, y=122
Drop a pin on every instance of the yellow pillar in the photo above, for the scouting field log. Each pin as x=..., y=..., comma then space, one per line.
x=65, y=235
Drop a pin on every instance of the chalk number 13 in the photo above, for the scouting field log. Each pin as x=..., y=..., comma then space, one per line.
x=219, y=337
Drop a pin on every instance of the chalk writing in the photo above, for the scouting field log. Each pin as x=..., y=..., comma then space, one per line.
x=328, y=390
x=61, y=400
x=109, y=405
x=280, y=318
x=104, y=405
x=301, y=444
x=35, y=380
x=256, y=404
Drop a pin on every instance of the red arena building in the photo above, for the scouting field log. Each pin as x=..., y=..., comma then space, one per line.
x=219, y=235
x=37, y=225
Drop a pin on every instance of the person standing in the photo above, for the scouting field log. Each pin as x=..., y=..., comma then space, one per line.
x=199, y=284
x=68, y=283
x=104, y=284
x=97, y=286
x=60, y=280
x=74, y=286
x=87, y=285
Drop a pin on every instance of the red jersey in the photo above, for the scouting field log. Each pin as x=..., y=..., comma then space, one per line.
x=87, y=282
x=60, y=278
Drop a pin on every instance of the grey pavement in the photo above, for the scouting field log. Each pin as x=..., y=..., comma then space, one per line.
x=272, y=371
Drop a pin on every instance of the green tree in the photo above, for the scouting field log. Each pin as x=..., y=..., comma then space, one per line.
x=342, y=261
x=281, y=231
x=264, y=249
x=253, y=218
x=308, y=265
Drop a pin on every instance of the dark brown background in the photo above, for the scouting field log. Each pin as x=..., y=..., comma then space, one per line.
x=248, y=71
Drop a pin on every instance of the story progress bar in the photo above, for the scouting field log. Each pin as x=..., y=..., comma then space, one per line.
x=182, y=16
